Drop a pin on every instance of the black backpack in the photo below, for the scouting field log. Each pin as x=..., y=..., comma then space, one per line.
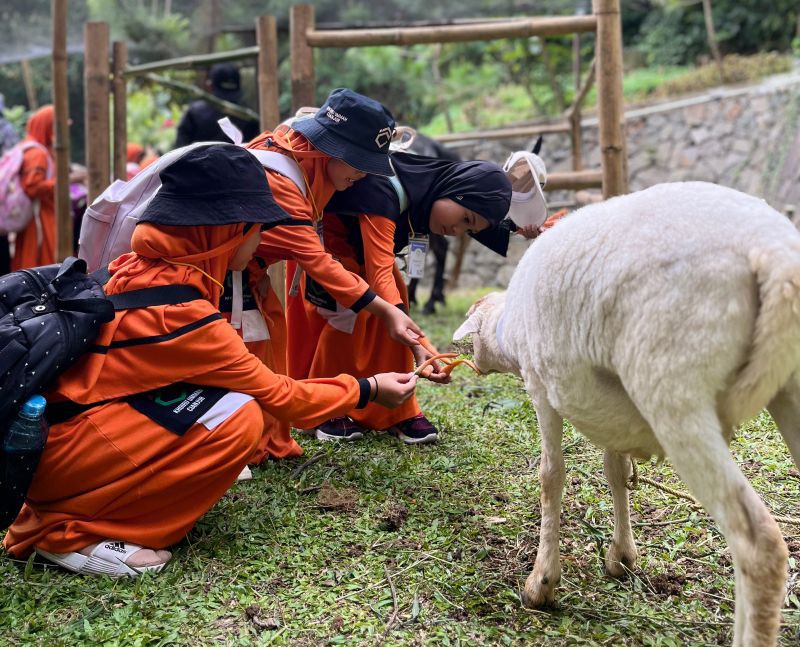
x=49, y=317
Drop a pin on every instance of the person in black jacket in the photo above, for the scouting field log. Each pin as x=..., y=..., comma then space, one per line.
x=199, y=122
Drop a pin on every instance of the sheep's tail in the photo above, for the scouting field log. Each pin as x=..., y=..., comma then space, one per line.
x=775, y=351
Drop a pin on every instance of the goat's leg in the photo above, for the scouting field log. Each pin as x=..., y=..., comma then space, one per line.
x=621, y=555
x=694, y=443
x=785, y=410
x=541, y=583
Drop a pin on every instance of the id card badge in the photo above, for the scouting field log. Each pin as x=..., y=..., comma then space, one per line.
x=417, y=251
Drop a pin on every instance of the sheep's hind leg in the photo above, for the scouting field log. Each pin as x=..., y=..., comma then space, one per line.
x=695, y=444
x=621, y=555
x=541, y=583
x=785, y=410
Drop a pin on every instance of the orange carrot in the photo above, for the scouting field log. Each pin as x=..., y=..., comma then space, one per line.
x=423, y=341
x=451, y=365
x=435, y=358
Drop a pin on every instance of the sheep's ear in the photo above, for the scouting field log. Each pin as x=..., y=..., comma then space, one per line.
x=537, y=146
x=470, y=326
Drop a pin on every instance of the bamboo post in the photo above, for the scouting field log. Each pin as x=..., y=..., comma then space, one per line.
x=268, y=91
x=61, y=130
x=302, y=56
x=575, y=116
x=608, y=50
x=27, y=80
x=120, y=88
x=96, y=90
x=269, y=114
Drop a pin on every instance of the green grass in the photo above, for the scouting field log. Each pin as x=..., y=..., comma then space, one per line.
x=509, y=104
x=454, y=527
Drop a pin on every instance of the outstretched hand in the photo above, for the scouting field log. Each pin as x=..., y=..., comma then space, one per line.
x=402, y=328
x=393, y=389
x=433, y=371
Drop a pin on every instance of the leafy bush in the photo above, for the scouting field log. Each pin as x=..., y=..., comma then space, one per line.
x=674, y=33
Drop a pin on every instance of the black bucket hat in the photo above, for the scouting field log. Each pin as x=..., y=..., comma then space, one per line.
x=352, y=128
x=217, y=184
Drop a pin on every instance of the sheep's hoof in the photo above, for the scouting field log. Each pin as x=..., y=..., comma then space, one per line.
x=620, y=561
x=539, y=592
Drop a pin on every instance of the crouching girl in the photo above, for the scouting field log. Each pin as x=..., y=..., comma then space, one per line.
x=127, y=470
x=363, y=227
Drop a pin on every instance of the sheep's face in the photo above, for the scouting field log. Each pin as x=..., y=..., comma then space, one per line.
x=481, y=323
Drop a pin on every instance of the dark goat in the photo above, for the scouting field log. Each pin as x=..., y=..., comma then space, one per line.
x=423, y=145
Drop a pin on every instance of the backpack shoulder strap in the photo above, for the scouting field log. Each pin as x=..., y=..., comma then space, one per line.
x=283, y=165
x=160, y=295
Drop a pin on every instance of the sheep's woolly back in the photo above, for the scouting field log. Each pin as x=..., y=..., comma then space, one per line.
x=656, y=301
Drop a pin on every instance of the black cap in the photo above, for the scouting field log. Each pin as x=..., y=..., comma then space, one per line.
x=352, y=128
x=217, y=184
x=225, y=82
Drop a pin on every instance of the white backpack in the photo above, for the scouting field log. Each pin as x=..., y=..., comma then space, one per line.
x=108, y=224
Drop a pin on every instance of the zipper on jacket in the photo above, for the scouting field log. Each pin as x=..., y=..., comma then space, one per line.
x=39, y=283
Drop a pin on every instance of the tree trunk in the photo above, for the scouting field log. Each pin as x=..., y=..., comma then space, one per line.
x=712, y=37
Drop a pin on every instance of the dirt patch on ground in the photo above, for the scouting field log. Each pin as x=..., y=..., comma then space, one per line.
x=667, y=584
x=394, y=517
x=331, y=498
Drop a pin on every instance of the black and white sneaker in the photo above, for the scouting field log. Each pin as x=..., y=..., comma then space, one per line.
x=415, y=431
x=340, y=429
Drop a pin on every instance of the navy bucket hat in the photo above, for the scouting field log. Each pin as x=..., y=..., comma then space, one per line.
x=218, y=184
x=352, y=128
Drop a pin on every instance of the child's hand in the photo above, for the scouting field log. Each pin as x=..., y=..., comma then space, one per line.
x=530, y=232
x=393, y=389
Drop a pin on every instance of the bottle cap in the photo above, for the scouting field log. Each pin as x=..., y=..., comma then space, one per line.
x=34, y=406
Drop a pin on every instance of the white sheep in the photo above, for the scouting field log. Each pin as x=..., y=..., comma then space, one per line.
x=655, y=323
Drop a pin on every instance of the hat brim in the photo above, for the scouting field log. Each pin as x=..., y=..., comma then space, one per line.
x=165, y=209
x=362, y=160
x=496, y=239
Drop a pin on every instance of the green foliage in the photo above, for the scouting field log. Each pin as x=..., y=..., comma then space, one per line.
x=13, y=88
x=674, y=32
x=152, y=118
x=17, y=116
x=152, y=34
x=736, y=69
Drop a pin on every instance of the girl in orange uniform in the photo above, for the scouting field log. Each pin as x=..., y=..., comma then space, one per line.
x=345, y=141
x=125, y=472
x=36, y=244
x=364, y=227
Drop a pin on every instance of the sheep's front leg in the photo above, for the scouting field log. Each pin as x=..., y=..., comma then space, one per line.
x=541, y=583
x=621, y=555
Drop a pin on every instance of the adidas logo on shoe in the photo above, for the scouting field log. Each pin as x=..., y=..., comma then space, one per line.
x=118, y=546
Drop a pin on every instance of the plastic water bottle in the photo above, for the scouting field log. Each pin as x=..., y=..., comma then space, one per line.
x=28, y=431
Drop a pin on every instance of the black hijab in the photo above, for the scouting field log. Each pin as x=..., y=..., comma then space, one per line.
x=480, y=186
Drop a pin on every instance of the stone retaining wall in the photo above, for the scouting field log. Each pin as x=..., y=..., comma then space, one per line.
x=747, y=138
